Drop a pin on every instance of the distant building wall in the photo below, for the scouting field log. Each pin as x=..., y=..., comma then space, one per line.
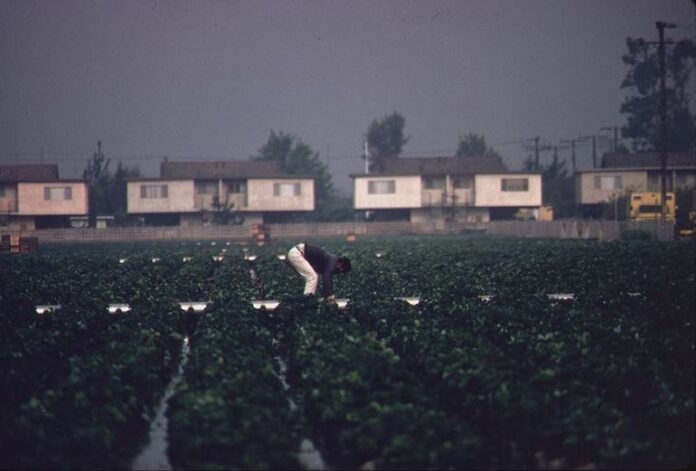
x=280, y=194
x=144, y=197
x=561, y=229
x=406, y=192
x=59, y=198
x=580, y=229
x=586, y=185
x=489, y=192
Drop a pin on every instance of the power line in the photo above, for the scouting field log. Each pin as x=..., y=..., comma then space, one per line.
x=64, y=157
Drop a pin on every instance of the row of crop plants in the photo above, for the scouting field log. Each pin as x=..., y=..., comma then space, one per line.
x=231, y=411
x=473, y=267
x=80, y=384
x=519, y=381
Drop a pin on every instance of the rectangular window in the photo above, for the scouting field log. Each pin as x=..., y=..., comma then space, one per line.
x=607, y=182
x=57, y=193
x=515, y=184
x=236, y=186
x=154, y=191
x=381, y=187
x=461, y=182
x=287, y=189
x=207, y=188
x=434, y=183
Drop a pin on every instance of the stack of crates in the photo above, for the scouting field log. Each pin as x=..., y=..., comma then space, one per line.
x=13, y=243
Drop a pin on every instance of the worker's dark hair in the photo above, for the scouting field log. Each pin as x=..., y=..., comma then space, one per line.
x=345, y=264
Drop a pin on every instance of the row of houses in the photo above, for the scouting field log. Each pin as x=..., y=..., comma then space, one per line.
x=421, y=190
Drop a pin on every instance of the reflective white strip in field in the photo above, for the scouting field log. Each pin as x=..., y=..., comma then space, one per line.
x=197, y=306
x=47, y=308
x=116, y=307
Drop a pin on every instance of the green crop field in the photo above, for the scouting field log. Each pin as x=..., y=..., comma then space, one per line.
x=519, y=354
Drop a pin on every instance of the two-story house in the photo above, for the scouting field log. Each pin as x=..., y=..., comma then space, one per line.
x=186, y=192
x=33, y=197
x=462, y=189
x=621, y=173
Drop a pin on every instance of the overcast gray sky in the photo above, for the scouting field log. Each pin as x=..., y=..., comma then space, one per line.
x=208, y=80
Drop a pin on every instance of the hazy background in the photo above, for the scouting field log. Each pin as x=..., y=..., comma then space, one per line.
x=208, y=80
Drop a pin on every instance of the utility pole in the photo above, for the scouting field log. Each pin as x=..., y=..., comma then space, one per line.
x=556, y=148
x=616, y=134
x=572, y=150
x=538, y=148
x=594, y=151
x=662, y=112
x=366, y=156
x=594, y=148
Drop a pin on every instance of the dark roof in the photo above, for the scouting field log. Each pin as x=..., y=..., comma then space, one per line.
x=433, y=166
x=647, y=160
x=221, y=169
x=28, y=173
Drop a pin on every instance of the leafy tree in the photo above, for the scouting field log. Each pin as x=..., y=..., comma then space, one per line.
x=107, y=192
x=98, y=180
x=642, y=82
x=224, y=213
x=557, y=186
x=297, y=158
x=473, y=145
x=385, y=139
x=558, y=189
x=118, y=192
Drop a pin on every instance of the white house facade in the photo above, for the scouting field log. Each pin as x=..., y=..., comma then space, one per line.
x=462, y=189
x=33, y=197
x=187, y=192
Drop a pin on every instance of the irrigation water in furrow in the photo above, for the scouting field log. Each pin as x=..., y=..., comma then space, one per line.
x=154, y=456
x=308, y=455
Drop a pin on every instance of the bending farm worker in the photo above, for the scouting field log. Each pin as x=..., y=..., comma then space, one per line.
x=311, y=261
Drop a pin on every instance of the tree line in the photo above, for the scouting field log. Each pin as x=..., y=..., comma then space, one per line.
x=386, y=139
